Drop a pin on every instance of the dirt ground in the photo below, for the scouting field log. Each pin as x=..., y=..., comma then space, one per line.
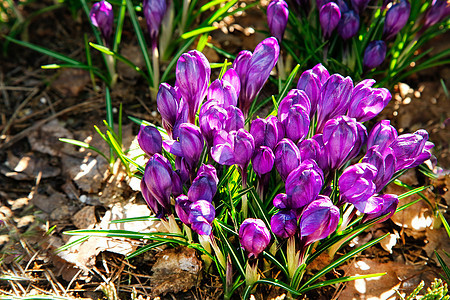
x=48, y=187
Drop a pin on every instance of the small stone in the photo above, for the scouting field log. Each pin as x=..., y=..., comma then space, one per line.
x=24, y=221
x=18, y=204
x=175, y=270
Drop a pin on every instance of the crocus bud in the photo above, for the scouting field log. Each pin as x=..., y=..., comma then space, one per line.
x=388, y=206
x=154, y=11
x=383, y=162
x=211, y=121
x=310, y=83
x=329, y=18
x=282, y=201
x=192, y=77
x=304, y=183
x=254, y=70
x=360, y=5
x=154, y=205
x=254, y=236
x=204, y=186
x=294, y=97
x=321, y=72
x=102, y=17
x=396, y=18
x=309, y=149
x=232, y=77
x=335, y=99
x=182, y=169
x=149, y=140
x=348, y=25
x=235, y=147
x=438, y=10
x=189, y=146
x=287, y=157
x=284, y=224
x=201, y=216
x=296, y=123
x=160, y=179
x=343, y=138
x=374, y=54
x=182, y=208
x=277, y=18
x=356, y=186
x=223, y=92
x=318, y=220
x=267, y=132
x=408, y=147
x=424, y=155
x=167, y=101
x=263, y=160
x=382, y=134
x=367, y=102
x=234, y=119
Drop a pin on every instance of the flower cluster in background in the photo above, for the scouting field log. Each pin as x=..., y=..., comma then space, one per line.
x=218, y=164
x=356, y=36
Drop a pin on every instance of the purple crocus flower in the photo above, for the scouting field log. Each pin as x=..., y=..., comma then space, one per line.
x=161, y=181
x=235, y=147
x=263, y=160
x=304, y=183
x=167, y=101
x=296, y=122
x=102, y=17
x=383, y=162
x=287, y=157
x=211, y=120
x=254, y=70
x=254, y=236
x=318, y=220
x=367, y=102
x=356, y=186
x=201, y=216
x=204, y=186
x=284, y=224
x=189, y=145
x=329, y=18
x=396, y=18
x=232, y=77
x=408, y=148
x=282, y=201
x=294, y=97
x=424, y=155
x=343, y=138
x=149, y=140
x=154, y=11
x=222, y=92
x=382, y=134
x=360, y=5
x=154, y=205
x=335, y=99
x=267, y=132
x=321, y=72
x=389, y=203
x=192, y=77
x=277, y=18
x=234, y=119
x=374, y=54
x=309, y=149
x=310, y=83
x=348, y=25
x=182, y=208
x=438, y=10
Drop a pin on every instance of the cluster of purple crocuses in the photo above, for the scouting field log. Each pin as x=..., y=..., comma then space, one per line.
x=313, y=137
x=344, y=16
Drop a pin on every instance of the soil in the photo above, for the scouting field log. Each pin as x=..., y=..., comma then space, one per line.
x=43, y=195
